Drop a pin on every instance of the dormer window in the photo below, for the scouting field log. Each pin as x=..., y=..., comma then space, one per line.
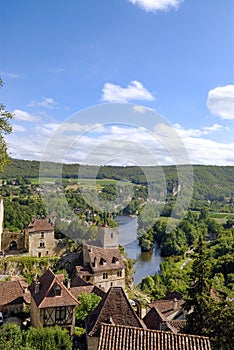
x=102, y=261
x=115, y=260
x=57, y=290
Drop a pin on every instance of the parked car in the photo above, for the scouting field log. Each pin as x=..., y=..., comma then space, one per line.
x=1, y=318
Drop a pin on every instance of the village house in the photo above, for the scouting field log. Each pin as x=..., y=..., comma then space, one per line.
x=14, y=296
x=52, y=303
x=40, y=238
x=103, y=265
x=171, y=309
x=123, y=337
x=114, y=309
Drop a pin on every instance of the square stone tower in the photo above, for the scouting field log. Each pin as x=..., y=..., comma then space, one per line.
x=109, y=237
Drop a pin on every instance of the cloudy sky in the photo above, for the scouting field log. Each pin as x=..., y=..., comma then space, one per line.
x=169, y=63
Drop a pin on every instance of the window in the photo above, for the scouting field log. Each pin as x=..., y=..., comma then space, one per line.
x=57, y=290
x=105, y=275
x=60, y=313
x=42, y=244
x=119, y=273
x=42, y=235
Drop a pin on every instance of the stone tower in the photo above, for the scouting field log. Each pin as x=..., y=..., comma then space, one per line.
x=1, y=221
x=109, y=237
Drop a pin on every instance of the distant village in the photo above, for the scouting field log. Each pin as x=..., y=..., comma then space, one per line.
x=117, y=322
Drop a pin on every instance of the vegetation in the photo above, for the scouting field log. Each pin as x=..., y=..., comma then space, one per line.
x=5, y=128
x=51, y=338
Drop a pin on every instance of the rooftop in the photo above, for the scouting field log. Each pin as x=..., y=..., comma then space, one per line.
x=132, y=338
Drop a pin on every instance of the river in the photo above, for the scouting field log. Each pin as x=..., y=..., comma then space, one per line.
x=146, y=263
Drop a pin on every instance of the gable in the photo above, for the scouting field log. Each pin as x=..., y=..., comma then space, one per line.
x=114, y=308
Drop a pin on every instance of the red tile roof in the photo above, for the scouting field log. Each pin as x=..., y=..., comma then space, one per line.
x=40, y=225
x=154, y=319
x=106, y=258
x=114, y=308
x=46, y=296
x=78, y=286
x=167, y=307
x=12, y=292
x=130, y=338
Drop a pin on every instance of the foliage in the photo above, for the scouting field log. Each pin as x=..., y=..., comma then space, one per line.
x=5, y=128
x=51, y=338
x=88, y=302
x=10, y=337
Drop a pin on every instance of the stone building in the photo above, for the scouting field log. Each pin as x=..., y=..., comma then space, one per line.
x=103, y=265
x=39, y=238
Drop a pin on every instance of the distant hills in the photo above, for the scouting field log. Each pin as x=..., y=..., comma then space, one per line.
x=211, y=183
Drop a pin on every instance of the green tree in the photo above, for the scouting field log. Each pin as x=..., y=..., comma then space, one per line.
x=51, y=338
x=10, y=337
x=198, y=292
x=5, y=128
x=88, y=302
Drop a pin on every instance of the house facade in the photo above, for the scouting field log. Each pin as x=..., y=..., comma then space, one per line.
x=52, y=303
x=39, y=238
x=103, y=265
x=14, y=296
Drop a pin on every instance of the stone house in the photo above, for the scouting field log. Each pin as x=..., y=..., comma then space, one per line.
x=123, y=337
x=52, y=303
x=14, y=296
x=171, y=309
x=39, y=238
x=103, y=265
x=114, y=309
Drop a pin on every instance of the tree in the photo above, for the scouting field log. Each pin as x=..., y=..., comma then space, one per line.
x=5, y=128
x=198, y=293
x=88, y=302
x=10, y=337
x=51, y=338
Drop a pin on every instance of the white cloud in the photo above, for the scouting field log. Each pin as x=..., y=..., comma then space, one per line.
x=18, y=128
x=220, y=101
x=25, y=116
x=10, y=75
x=46, y=102
x=156, y=5
x=198, y=132
x=134, y=91
x=141, y=109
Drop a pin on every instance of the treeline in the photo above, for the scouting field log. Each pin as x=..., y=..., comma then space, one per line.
x=211, y=183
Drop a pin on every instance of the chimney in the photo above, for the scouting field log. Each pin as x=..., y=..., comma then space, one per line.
x=175, y=304
x=139, y=308
x=37, y=286
x=68, y=283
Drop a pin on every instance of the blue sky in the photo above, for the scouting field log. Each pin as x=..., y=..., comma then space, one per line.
x=60, y=57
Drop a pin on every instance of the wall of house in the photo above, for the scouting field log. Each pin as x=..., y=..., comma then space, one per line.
x=112, y=280
x=36, y=241
x=92, y=343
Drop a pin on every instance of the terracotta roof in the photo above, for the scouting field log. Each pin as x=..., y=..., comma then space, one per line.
x=46, y=296
x=177, y=324
x=78, y=286
x=114, y=308
x=130, y=338
x=12, y=292
x=106, y=258
x=167, y=307
x=154, y=319
x=40, y=225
